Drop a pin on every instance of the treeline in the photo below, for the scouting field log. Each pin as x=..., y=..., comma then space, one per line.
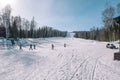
x=17, y=27
x=109, y=32
x=102, y=34
x=94, y=34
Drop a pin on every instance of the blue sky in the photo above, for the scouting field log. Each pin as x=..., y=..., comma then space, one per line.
x=70, y=15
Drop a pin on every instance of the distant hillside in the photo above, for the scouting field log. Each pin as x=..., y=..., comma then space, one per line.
x=70, y=34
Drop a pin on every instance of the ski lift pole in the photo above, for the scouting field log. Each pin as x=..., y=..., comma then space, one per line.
x=6, y=22
x=119, y=39
x=6, y=32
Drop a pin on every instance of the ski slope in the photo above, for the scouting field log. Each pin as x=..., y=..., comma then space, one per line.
x=80, y=60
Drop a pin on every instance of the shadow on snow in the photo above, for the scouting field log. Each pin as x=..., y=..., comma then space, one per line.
x=22, y=57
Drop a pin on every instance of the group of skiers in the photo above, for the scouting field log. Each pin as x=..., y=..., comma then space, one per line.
x=54, y=46
x=34, y=46
x=31, y=47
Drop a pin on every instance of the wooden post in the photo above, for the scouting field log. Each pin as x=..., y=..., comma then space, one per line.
x=117, y=56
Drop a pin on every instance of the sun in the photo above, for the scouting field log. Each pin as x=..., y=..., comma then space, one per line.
x=6, y=2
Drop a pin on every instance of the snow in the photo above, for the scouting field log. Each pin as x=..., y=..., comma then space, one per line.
x=80, y=60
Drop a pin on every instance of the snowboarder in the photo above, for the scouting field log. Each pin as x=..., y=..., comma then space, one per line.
x=30, y=47
x=52, y=46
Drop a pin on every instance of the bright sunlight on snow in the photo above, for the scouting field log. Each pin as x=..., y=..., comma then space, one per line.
x=79, y=60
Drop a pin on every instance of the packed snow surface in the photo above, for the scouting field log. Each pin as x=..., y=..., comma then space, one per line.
x=80, y=60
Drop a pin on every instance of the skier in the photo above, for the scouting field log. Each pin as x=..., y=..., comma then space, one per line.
x=20, y=46
x=30, y=47
x=64, y=44
x=34, y=46
x=13, y=42
x=52, y=46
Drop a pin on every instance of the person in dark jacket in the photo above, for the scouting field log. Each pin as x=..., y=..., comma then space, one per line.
x=64, y=44
x=52, y=46
x=34, y=46
x=30, y=47
x=20, y=46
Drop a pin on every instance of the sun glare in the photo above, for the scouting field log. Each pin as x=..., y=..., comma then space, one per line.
x=5, y=2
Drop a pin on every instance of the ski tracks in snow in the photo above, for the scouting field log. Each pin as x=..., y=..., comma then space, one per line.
x=70, y=63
